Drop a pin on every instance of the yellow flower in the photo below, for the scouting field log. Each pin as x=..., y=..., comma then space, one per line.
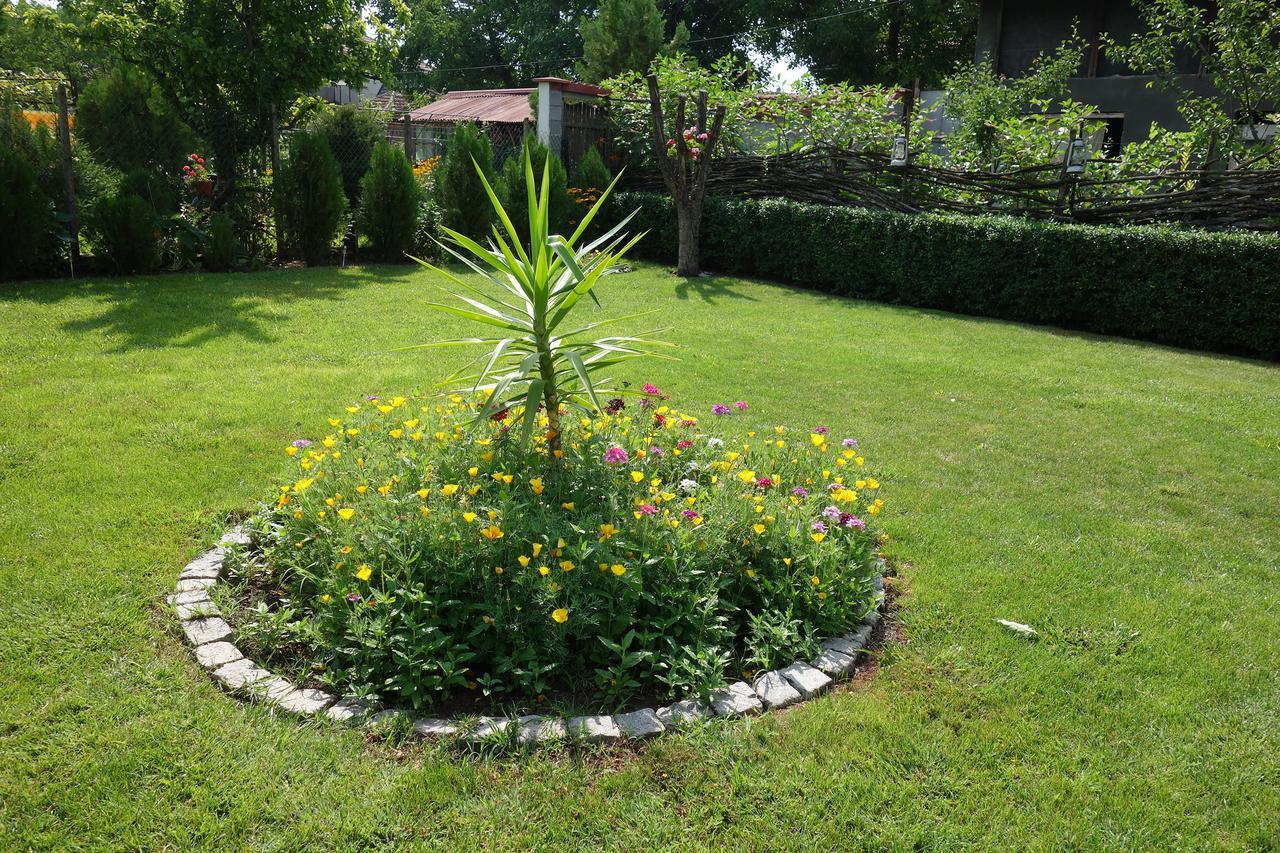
x=637, y=476
x=422, y=493
x=364, y=572
x=345, y=549
x=560, y=615
x=747, y=476
x=351, y=410
x=468, y=517
x=411, y=423
x=425, y=510
x=544, y=571
x=395, y=433
x=567, y=565
x=353, y=432
x=758, y=528
x=491, y=532
x=361, y=489
x=751, y=573
x=524, y=561
x=473, y=470
x=607, y=531
x=450, y=489
x=618, y=569
x=817, y=537
x=325, y=598
x=567, y=505
x=345, y=513
x=816, y=439
x=497, y=570
x=291, y=450
x=536, y=485
x=537, y=548
x=786, y=561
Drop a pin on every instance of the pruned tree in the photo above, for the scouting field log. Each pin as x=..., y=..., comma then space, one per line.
x=685, y=156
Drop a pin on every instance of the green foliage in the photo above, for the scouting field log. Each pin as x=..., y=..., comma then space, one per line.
x=352, y=133
x=127, y=122
x=463, y=202
x=225, y=65
x=540, y=357
x=624, y=35
x=220, y=248
x=157, y=189
x=35, y=145
x=591, y=173
x=418, y=557
x=511, y=189
x=311, y=197
x=1015, y=119
x=1207, y=290
x=126, y=227
x=26, y=216
x=391, y=197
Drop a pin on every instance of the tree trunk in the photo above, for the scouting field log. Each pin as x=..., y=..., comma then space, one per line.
x=690, y=222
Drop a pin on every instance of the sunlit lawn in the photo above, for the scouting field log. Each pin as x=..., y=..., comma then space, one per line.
x=1091, y=487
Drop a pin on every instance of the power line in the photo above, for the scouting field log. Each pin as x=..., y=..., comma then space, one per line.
x=883, y=4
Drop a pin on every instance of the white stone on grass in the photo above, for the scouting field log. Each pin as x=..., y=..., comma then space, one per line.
x=214, y=655
x=775, y=691
x=683, y=712
x=237, y=535
x=488, y=728
x=194, y=584
x=305, y=701
x=210, y=630
x=736, y=699
x=240, y=674
x=207, y=565
x=273, y=688
x=189, y=596
x=834, y=663
x=197, y=609
x=594, y=729
x=640, y=724
x=348, y=709
x=535, y=728
x=434, y=727
x=805, y=678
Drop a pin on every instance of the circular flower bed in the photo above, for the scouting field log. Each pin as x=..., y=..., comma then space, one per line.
x=422, y=560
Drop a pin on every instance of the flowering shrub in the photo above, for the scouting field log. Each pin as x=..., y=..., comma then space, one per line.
x=421, y=555
x=195, y=171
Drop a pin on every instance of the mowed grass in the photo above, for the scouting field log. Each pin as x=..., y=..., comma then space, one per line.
x=1091, y=487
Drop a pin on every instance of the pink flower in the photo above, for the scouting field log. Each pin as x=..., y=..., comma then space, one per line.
x=650, y=388
x=741, y=405
x=648, y=509
x=764, y=482
x=684, y=444
x=615, y=456
x=688, y=513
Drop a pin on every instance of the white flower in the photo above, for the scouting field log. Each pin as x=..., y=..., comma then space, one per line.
x=688, y=486
x=715, y=442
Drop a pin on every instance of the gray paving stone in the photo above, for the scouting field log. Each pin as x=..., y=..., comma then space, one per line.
x=272, y=689
x=775, y=691
x=872, y=619
x=305, y=701
x=850, y=644
x=599, y=728
x=210, y=630
x=207, y=565
x=214, y=655
x=196, y=610
x=240, y=674
x=189, y=596
x=834, y=663
x=487, y=729
x=684, y=712
x=640, y=724
x=805, y=678
x=433, y=727
x=861, y=635
x=535, y=728
x=387, y=718
x=348, y=709
x=735, y=700
x=194, y=584
x=237, y=535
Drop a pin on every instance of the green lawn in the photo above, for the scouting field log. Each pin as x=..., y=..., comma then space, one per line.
x=1092, y=487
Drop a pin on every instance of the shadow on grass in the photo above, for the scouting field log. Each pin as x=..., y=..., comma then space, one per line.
x=711, y=289
x=188, y=310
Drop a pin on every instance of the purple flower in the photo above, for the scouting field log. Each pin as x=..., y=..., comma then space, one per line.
x=656, y=452
x=353, y=597
x=853, y=521
x=850, y=442
x=741, y=405
x=820, y=430
x=818, y=526
x=650, y=388
x=301, y=442
x=831, y=513
x=800, y=492
x=615, y=456
x=371, y=397
x=645, y=403
x=720, y=409
x=831, y=487
x=688, y=513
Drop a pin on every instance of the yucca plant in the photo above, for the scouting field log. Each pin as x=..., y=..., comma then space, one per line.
x=540, y=356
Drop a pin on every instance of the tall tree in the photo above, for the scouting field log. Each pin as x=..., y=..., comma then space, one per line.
x=625, y=35
x=225, y=65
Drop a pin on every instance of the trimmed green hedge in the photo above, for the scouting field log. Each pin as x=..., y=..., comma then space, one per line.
x=1205, y=290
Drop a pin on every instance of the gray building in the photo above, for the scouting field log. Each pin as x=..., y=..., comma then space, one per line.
x=1012, y=33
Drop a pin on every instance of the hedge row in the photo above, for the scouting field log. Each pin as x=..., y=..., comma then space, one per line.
x=1205, y=290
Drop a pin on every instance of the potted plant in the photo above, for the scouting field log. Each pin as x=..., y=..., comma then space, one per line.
x=197, y=177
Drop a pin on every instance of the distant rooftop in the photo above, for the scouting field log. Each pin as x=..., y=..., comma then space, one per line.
x=509, y=106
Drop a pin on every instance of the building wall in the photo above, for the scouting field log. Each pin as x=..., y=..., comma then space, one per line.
x=1012, y=33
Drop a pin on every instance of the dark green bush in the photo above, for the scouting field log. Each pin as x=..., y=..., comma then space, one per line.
x=311, y=196
x=26, y=217
x=1205, y=290
x=591, y=173
x=158, y=189
x=463, y=203
x=515, y=197
x=220, y=248
x=389, y=210
x=128, y=122
x=125, y=226
x=352, y=134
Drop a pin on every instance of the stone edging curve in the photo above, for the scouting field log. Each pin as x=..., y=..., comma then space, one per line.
x=211, y=639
